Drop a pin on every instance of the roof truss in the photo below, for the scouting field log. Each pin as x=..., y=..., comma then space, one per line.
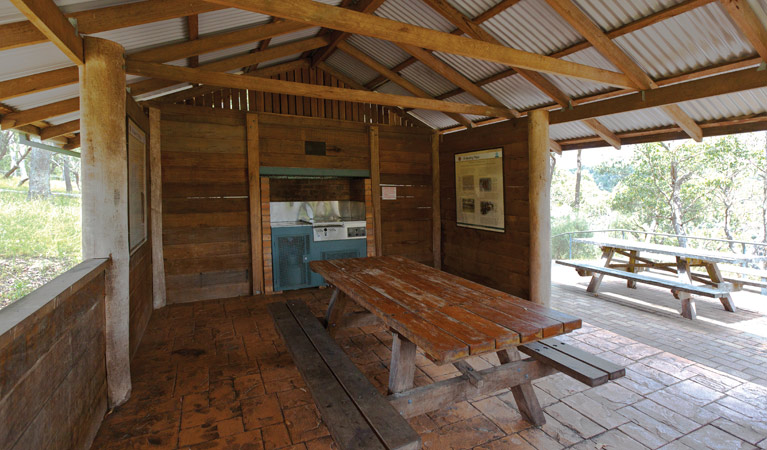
x=46, y=17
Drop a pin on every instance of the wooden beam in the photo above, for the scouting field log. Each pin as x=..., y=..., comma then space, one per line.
x=358, y=23
x=365, y=7
x=749, y=23
x=375, y=187
x=72, y=143
x=555, y=147
x=46, y=17
x=540, y=206
x=19, y=34
x=254, y=196
x=21, y=118
x=495, y=10
x=603, y=132
x=383, y=70
x=220, y=41
x=436, y=214
x=183, y=74
x=667, y=95
x=227, y=64
x=159, y=294
x=588, y=29
x=192, y=34
x=454, y=76
x=38, y=82
x=59, y=130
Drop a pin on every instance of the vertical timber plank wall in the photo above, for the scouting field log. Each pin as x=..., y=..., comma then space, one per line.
x=206, y=236
x=405, y=163
x=141, y=259
x=53, y=387
x=498, y=260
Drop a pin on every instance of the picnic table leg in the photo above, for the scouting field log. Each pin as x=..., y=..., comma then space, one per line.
x=596, y=279
x=336, y=307
x=524, y=395
x=716, y=277
x=632, y=284
x=402, y=367
x=688, y=304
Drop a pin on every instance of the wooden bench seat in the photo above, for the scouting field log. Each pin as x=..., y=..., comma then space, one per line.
x=583, y=366
x=706, y=291
x=356, y=414
x=741, y=280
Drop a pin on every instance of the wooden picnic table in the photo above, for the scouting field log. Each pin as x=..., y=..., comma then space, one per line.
x=450, y=319
x=685, y=259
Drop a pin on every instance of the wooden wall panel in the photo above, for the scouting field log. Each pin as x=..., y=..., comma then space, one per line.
x=205, y=206
x=405, y=160
x=499, y=260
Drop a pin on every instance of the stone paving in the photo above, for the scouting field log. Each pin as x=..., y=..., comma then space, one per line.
x=215, y=374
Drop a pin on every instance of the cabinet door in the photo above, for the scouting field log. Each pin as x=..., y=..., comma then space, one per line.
x=290, y=253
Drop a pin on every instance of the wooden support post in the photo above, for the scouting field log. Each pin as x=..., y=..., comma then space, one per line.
x=105, y=197
x=436, y=218
x=684, y=275
x=375, y=181
x=540, y=200
x=632, y=284
x=402, y=367
x=254, y=194
x=524, y=395
x=716, y=277
x=155, y=175
x=596, y=279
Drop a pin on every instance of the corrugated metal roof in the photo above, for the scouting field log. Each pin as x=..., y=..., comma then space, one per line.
x=575, y=87
x=569, y=130
x=425, y=78
x=636, y=120
x=473, y=69
x=473, y=8
x=469, y=99
x=609, y=14
x=731, y=105
x=517, y=92
x=434, y=118
x=532, y=25
x=29, y=60
x=414, y=12
x=148, y=35
x=229, y=19
x=382, y=51
x=391, y=87
x=10, y=14
x=351, y=67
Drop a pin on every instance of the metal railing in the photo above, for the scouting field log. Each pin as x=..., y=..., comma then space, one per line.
x=716, y=244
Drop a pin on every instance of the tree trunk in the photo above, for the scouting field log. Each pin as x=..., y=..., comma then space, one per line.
x=727, y=231
x=67, y=173
x=39, y=174
x=764, y=192
x=18, y=164
x=577, y=200
x=676, y=206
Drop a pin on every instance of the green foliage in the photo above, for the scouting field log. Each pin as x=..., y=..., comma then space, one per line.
x=560, y=241
x=608, y=174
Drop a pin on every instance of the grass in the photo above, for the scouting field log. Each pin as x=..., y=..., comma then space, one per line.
x=39, y=239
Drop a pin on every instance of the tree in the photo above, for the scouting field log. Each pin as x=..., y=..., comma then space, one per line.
x=39, y=174
x=608, y=174
x=664, y=188
x=729, y=164
x=577, y=200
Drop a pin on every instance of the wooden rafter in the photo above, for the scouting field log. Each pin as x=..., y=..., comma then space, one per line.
x=589, y=30
x=18, y=34
x=59, y=130
x=748, y=22
x=395, y=78
x=38, y=82
x=366, y=7
x=183, y=74
x=192, y=34
x=46, y=17
x=495, y=10
x=26, y=117
x=471, y=28
x=358, y=23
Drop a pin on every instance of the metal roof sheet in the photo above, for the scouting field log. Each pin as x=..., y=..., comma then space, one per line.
x=382, y=51
x=636, y=120
x=229, y=19
x=351, y=67
x=468, y=99
x=31, y=59
x=473, y=8
x=609, y=14
x=10, y=14
x=414, y=12
x=516, y=92
x=575, y=87
x=436, y=119
x=425, y=78
x=473, y=69
x=570, y=130
x=532, y=25
x=731, y=105
x=153, y=34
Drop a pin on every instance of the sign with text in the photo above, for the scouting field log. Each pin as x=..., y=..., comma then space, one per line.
x=479, y=190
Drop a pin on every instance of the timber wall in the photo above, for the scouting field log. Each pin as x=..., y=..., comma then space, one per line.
x=205, y=189
x=52, y=362
x=140, y=284
x=498, y=260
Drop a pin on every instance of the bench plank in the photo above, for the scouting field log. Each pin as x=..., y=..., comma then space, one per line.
x=392, y=428
x=614, y=371
x=348, y=426
x=577, y=369
x=676, y=285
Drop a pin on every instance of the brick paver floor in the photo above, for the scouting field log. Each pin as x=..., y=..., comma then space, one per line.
x=215, y=374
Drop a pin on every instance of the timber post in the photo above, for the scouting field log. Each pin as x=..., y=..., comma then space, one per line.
x=159, y=296
x=540, y=201
x=105, y=196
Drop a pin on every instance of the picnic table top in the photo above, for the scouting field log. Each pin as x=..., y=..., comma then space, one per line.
x=449, y=317
x=691, y=253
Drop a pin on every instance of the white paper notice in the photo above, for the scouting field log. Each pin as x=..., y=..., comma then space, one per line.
x=479, y=190
x=389, y=192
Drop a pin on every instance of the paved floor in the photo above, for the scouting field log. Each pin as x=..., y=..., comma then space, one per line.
x=216, y=375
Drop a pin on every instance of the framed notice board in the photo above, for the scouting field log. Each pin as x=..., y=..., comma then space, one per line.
x=137, y=217
x=479, y=190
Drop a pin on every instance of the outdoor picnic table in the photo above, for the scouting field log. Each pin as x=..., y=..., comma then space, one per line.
x=685, y=259
x=450, y=319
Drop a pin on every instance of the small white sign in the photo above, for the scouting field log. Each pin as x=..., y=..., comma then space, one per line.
x=389, y=192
